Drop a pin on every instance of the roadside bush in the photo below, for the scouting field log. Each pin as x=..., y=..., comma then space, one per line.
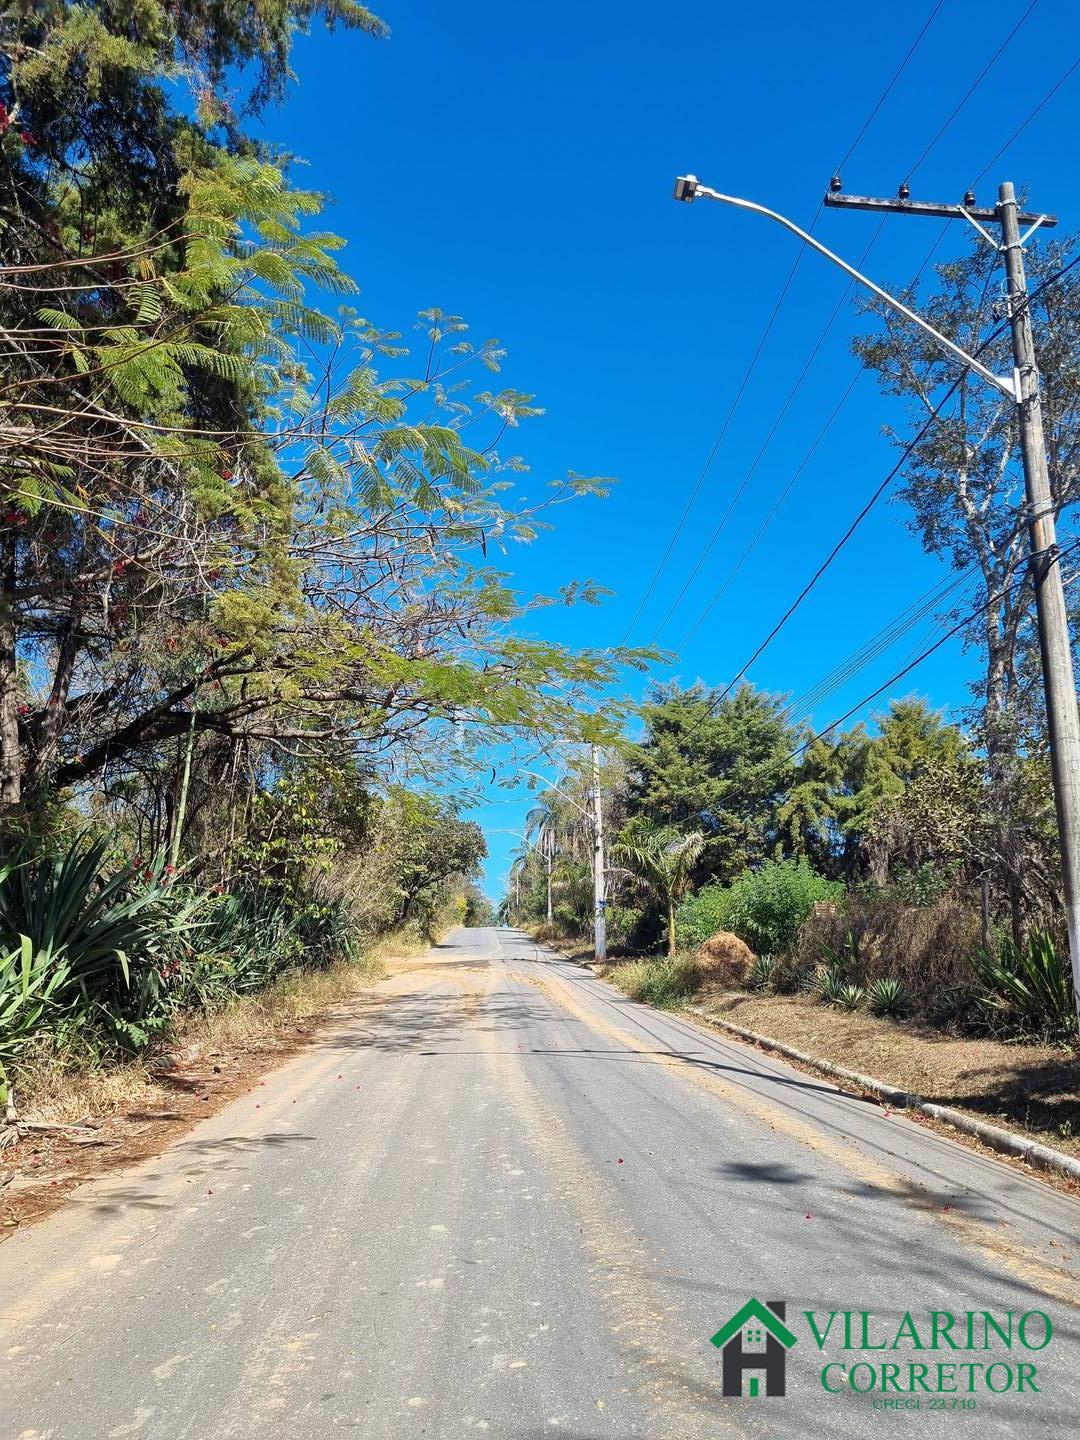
x=632, y=927
x=662, y=982
x=703, y=915
x=766, y=907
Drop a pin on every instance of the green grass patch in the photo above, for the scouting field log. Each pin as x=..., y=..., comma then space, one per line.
x=663, y=982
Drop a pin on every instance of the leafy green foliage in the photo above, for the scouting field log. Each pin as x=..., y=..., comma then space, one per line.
x=1029, y=982
x=767, y=906
x=94, y=923
x=662, y=861
x=719, y=766
x=702, y=914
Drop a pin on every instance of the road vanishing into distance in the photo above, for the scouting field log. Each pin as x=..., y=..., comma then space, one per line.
x=503, y=1200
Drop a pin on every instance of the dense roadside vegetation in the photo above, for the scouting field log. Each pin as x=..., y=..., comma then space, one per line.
x=251, y=616
x=870, y=872
x=909, y=866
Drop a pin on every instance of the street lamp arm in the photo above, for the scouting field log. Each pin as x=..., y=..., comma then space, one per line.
x=689, y=188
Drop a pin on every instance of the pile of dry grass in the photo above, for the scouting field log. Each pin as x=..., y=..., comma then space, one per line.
x=725, y=961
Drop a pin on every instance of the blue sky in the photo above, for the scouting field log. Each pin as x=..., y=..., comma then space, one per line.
x=514, y=165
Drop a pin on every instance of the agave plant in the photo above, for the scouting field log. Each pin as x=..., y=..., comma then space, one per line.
x=1031, y=980
x=763, y=973
x=888, y=997
x=851, y=997
x=68, y=905
x=26, y=992
x=826, y=983
x=84, y=925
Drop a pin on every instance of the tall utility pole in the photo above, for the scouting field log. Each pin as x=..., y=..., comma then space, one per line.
x=1054, y=639
x=599, y=899
x=1022, y=388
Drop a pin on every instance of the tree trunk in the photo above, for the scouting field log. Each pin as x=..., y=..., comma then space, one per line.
x=42, y=759
x=671, y=927
x=10, y=753
x=999, y=738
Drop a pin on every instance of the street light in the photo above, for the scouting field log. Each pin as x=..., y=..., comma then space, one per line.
x=1022, y=388
x=689, y=188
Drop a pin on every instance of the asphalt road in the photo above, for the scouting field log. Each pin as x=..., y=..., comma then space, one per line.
x=505, y=1200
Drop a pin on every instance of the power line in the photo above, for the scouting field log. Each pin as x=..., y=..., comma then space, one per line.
x=755, y=357
x=974, y=86
x=807, y=457
x=955, y=630
x=752, y=470
x=888, y=88
x=747, y=375
x=732, y=504
x=878, y=492
x=885, y=638
x=1023, y=126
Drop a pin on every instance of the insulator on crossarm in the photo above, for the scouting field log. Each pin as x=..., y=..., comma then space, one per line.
x=834, y=184
x=905, y=191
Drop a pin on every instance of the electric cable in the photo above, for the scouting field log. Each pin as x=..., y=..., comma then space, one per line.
x=877, y=493
x=766, y=332
x=954, y=630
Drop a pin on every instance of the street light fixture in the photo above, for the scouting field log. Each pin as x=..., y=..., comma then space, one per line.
x=689, y=188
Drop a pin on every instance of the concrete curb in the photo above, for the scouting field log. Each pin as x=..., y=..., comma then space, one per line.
x=1006, y=1141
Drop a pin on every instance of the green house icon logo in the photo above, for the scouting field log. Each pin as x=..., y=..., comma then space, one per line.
x=746, y=1330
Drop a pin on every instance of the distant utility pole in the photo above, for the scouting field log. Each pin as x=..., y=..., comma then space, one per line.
x=599, y=899
x=1022, y=388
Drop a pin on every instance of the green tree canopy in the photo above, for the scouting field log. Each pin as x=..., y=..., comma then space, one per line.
x=722, y=766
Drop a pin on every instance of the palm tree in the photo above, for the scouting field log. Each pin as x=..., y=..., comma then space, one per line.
x=662, y=862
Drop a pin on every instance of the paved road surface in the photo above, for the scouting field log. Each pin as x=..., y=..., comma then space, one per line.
x=505, y=1201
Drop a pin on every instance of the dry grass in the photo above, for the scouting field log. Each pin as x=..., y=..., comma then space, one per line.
x=66, y=1087
x=725, y=960
x=135, y=1109
x=1033, y=1088
x=928, y=947
x=574, y=947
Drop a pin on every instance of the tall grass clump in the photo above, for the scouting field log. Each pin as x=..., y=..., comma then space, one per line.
x=662, y=982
